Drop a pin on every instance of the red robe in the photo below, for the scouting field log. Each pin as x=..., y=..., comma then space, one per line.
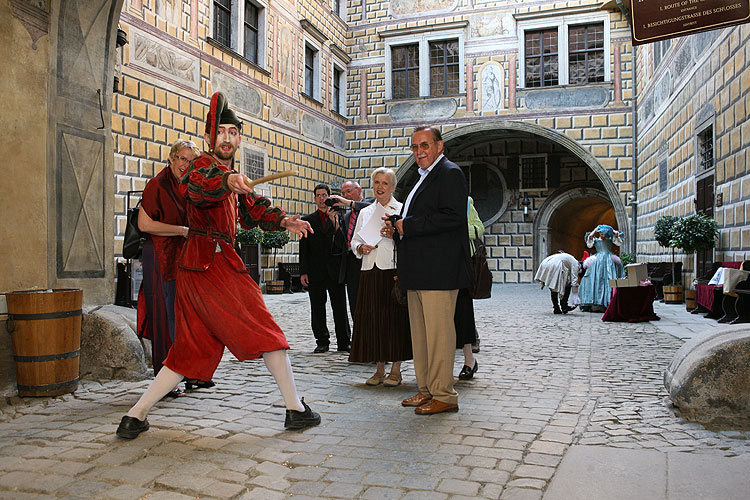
x=163, y=202
x=217, y=303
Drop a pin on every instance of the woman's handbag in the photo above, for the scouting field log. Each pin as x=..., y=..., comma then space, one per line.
x=132, y=244
x=482, y=288
x=399, y=294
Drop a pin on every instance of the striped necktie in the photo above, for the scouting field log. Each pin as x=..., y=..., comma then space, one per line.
x=350, y=229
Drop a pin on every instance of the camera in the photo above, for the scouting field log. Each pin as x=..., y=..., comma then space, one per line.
x=394, y=218
x=330, y=202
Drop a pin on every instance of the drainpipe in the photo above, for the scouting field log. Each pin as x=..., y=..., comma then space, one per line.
x=634, y=194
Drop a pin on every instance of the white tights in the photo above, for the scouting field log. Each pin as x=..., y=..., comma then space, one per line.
x=277, y=363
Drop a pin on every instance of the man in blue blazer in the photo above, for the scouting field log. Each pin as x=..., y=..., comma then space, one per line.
x=433, y=264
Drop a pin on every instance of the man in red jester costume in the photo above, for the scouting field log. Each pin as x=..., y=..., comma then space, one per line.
x=217, y=303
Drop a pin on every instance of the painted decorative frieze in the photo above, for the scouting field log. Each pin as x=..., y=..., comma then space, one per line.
x=586, y=97
x=284, y=114
x=411, y=7
x=312, y=127
x=492, y=25
x=493, y=83
x=423, y=111
x=239, y=93
x=155, y=55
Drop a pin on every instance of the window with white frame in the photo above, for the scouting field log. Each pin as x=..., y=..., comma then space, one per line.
x=252, y=163
x=567, y=50
x=312, y=71
x=240, y=26
x=425, y=64
x=338, y=90
x=533, y=172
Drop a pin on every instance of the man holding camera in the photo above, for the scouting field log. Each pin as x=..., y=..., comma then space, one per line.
x=320, y=261
x=352, y=202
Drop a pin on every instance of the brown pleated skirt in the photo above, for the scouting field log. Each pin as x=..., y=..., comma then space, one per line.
x=381, y=325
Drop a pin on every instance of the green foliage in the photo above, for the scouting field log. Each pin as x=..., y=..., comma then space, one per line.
x=663, y=230
x=627, y=258
x=694, y=233
x=252, y=236
x=275, y=239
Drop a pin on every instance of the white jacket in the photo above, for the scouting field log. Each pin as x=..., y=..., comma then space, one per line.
x=383, y=256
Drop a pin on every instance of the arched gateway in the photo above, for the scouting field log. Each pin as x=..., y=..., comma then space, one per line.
x=537, y=191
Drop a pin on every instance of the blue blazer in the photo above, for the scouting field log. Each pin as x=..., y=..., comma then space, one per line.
x=434, y=252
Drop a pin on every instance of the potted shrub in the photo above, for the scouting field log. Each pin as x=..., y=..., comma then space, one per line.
x=663, y=234
x=249, y=241
x=695, y=233
x=274, y=240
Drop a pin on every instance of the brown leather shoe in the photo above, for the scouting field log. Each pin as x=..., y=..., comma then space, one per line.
x=416, y=400
x=435, y=406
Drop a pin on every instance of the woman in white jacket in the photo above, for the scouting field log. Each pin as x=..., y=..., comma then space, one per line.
x=381, y=325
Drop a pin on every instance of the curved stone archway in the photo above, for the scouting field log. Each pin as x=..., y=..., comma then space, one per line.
x=563, y=140
x=555, y=202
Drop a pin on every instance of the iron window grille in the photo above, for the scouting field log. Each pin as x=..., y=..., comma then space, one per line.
x=533, y=173
x=706, y=148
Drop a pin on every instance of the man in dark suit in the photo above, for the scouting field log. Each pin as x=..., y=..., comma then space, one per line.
x=320, y=261
x=433, y=264
x=350, y=264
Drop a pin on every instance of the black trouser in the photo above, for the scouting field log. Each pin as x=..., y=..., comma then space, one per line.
x=319, y=325
x=564, y=301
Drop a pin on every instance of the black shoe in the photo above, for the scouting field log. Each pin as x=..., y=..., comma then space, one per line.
x=320, y=349
x=130, y=427
x=344, y=349
x=557, y=311
x=475, y=346
x=566, y=309
x=200, y=384
x=301, y=419
x=468, y=373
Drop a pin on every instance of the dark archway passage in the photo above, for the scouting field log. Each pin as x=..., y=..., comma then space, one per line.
x=570, y=222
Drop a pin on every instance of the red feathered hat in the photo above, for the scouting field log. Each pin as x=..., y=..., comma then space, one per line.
x=219, y=113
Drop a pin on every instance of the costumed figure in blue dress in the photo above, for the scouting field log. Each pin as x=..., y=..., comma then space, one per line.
x=595, y=292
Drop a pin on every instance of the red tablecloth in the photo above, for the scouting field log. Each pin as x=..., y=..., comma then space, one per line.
x=704, y=295
x=632, y=304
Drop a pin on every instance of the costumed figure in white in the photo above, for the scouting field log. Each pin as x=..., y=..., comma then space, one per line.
x=595, y=292
x=559, y=272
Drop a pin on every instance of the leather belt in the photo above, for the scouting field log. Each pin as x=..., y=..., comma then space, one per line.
x=211, y=234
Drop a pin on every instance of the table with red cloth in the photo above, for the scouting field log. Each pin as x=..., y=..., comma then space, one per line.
x=632, y=304
x=704, y=294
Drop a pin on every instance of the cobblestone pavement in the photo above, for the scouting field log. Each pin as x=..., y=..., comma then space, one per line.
x=545, y=382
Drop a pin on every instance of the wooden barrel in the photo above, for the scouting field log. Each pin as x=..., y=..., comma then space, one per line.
x=276, y=286
x=673, y=295
x=45, y=326
x=690, y=303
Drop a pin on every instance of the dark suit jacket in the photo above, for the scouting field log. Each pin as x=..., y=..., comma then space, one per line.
x=350, y=263
x=319, y=255
x=434, y=252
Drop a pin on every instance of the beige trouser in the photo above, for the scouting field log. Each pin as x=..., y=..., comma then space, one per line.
x=433, y=340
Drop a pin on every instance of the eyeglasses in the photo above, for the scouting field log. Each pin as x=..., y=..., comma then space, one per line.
x=424, y=146
x=182, y=158
x=321, y=195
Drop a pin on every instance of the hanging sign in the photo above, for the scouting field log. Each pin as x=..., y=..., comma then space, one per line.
x=653, y=20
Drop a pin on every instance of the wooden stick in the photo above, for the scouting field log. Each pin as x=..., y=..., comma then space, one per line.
x=270, y=178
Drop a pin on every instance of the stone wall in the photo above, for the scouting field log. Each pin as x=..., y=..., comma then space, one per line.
x=699, y=80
